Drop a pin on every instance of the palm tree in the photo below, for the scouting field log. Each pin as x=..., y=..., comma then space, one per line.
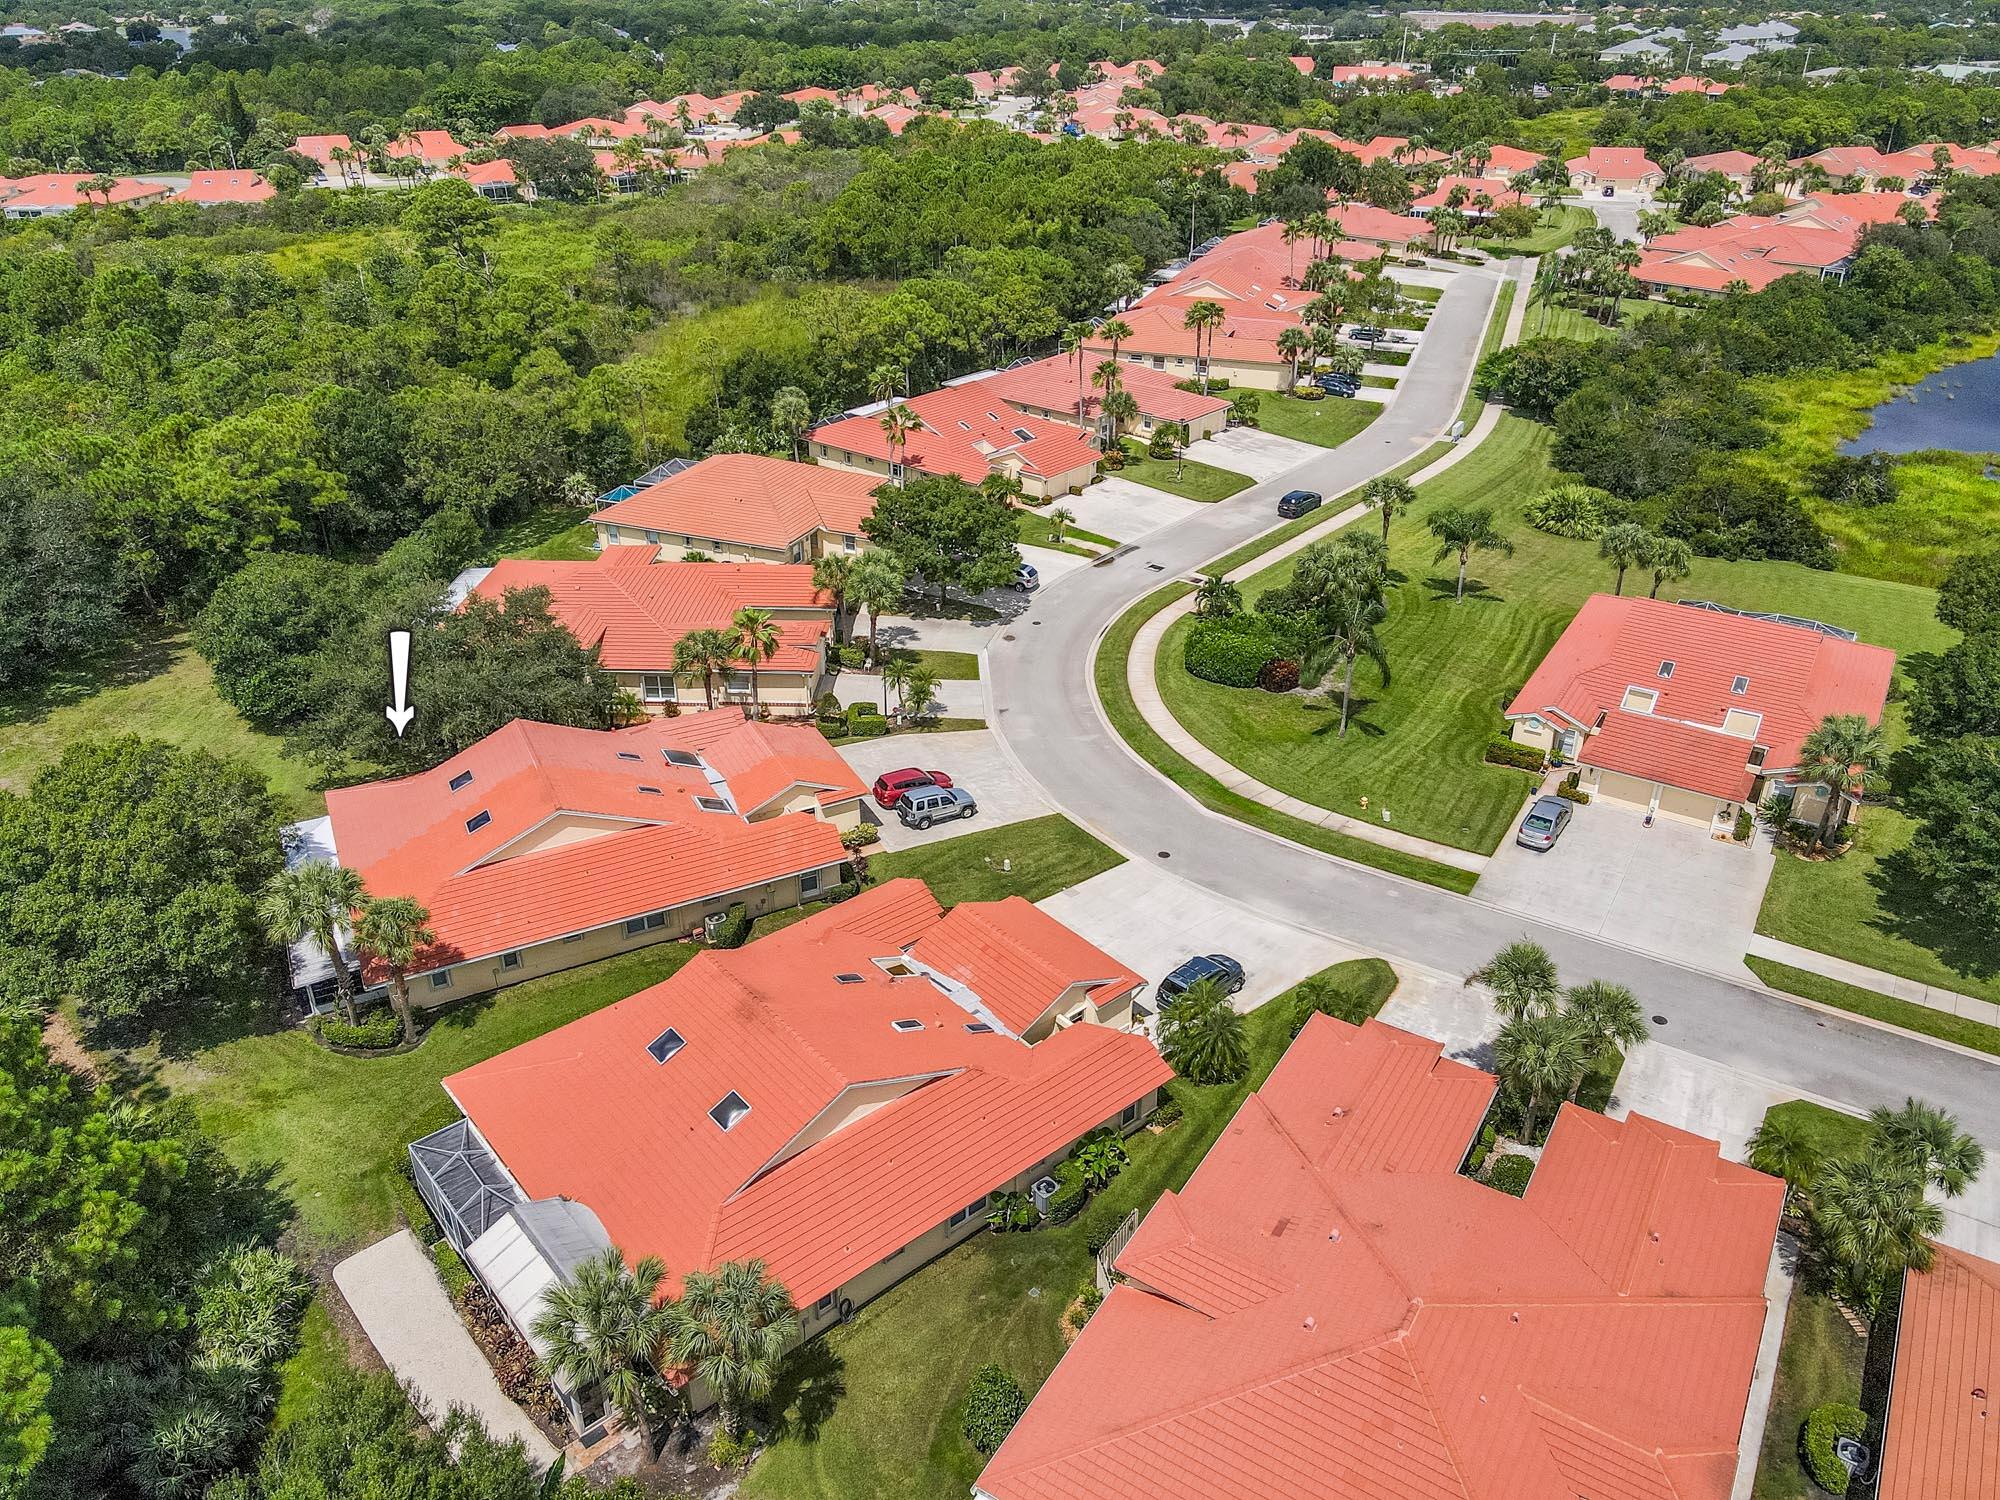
x=791, y=414
x=1522, y=977
x=603, y=1327
x=1844, y=755
x=1347, y=621
x=1625, y=545
x=1389, y=496
x=315, y=900
x=691, y=659
x=1174, y=435
x=896, y=675
x=1217, y=596
x=1202, y=1035
x=1294, y=231
x=1075, y=340
x=393, y=928
x=1670, y=558
x=1607, y=1014
x=1114, y=331
x=1121, y=410
x=883, y=383
x=898, y=422
x=1463, y=531
x=1871, y=1221
x=755, y=636
x=1786, y=1146
x=1538, y=1059
x=731, y=1327
x=833, y=574
x=1929, y=1139
x=1294, y=344
x=1059, y=518
x=876, y=584
x=1203, y=318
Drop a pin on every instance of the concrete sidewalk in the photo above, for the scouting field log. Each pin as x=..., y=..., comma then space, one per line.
x=1894, y=985
x=401, y=1305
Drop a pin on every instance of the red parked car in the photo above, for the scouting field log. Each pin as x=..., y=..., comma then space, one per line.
x=890, y=785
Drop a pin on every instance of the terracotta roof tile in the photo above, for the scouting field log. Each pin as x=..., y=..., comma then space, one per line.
x=1941, y=1439
x=748, y=498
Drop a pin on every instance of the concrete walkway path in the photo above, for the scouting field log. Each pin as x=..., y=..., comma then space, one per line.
x=1915, y=991
x=402, y=1307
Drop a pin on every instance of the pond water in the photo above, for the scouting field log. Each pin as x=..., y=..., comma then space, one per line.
x=1958, y=409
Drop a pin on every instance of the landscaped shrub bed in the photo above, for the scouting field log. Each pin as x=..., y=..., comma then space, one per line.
x=735, y=929
x=1501, y=751
x=993, y=1404
x=1233, y=651
x=1510, y=1173
x=1823, y=1425
x=1572, y=790
x=377, y=1031
x=514, y=1363
x=1280, y=676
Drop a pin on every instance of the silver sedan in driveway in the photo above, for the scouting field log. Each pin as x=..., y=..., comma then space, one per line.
x=1544, y=824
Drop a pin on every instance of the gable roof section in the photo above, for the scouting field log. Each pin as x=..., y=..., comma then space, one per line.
x=1797, y=677
x=635, y=609
x=1940, y=1438
x=225, y=187
x=761, y=761
x=746, y=497
x=1343, y=1314
x=1364, y=221
x=1051, y=385
x=584, y=1111
x=1019, y=960
x=1615, y=161
x=969, y=432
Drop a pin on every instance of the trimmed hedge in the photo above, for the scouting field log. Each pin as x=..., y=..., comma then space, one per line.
x=1744, y=825
x=1066, y=1202
x=993, y=1404
x=1510, y=1173
x=1280, y=676
x=1572, y=790
x=1233, y=651
x=377, y=1031
x=1501, y=751
x=847, y=890
x=866, y=723
x=735, y=928
x=1823, y=1424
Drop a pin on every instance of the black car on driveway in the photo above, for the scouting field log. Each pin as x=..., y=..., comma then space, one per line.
x=1217, y=966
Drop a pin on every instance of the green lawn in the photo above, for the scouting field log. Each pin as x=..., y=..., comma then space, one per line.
x=1416, y=742
x=1109, y=669
x=1328, y=423
x=321, y=1354
x=1032, y=529
x=949, y=666
x=1186, y=478
x=898, y=1372
x=331, y=1129
x=940, y=725
x=551, y=534
x=1820, y=1360
x=158, y=687
x=1834, y=1132
x=1904, y=1013
x=1046, y=855
x=1559, y=321
x=1555, y=228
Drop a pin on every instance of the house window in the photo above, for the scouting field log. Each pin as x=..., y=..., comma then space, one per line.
x=461, y=781
x=978, y=1028
x=1666, y=669
x=1757, y=754
x=824, y=1306
x=1131, y=1114
x=628, y=755
x=511, y=960
x=611, y=534
x=895, y=471
x=478, y=821
x=967, y=1212
x=1739, y=686
x=441, y=979
x=647, y=923
x=808, y=882
x=665, y=1045
x=1533, y=724
x=1077, y=1016
x=653, y=537
x=798, y=551
x=656, y=687
x=729, y=1109
x=846, y=543
x=711, y=804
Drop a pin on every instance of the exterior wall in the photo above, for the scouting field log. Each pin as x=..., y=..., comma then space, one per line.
x=481, y=976
x=1058, y=484
x=1677, y=802
x=1262, y=376
x=1542, y=738
x=786, y=694
x=860, y=463
x=564, y=828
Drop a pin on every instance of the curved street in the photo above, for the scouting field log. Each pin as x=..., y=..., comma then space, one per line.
x=1045, y=711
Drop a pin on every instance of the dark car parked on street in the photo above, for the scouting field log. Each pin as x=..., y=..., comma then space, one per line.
x=1298, y=502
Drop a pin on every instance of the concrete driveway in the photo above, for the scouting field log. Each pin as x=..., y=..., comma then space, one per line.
x=1669, y=889
x=1125, y=510
x=972, y=759
x=1152, y=921
x=1246, y=450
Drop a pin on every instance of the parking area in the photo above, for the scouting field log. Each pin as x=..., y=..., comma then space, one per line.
x=1246, y=450
x=1125, y=510
x=1152, y=921
x=972, y=759
x=1669, y=889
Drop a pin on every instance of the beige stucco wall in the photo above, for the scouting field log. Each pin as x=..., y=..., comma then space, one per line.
x=850, y=1105
x=788, y=693
x=1261, y=376
x=562, y=829
x=674, y=545
x=1698, y=807
x=1542, y=739
x=1675, y=802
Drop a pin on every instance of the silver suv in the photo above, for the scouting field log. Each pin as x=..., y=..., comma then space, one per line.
x=922, y=806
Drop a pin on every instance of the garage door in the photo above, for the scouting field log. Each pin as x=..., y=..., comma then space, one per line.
x=1619, y=787
x=1684, y=804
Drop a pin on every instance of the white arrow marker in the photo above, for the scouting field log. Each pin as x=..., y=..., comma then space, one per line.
x=398, y=713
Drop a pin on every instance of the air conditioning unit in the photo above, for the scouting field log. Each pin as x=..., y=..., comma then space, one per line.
x=712, y=924
x=1044, y=1188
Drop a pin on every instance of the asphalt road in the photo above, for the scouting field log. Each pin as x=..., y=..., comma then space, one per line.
x=1046, y=713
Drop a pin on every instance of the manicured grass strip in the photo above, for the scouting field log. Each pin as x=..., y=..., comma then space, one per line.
x=1836, y=1134
x=1194, y=481
x=321, y=1355
x=1044, y=855
x=1420, y=293
x=551, y=534
x=1370, y=981
x=1496, y=331
x=1257, y=546
x=1555, y=228
x=1032, y=529
x=1113, y=656
x=1879, y=1007
x=1820, y=1360
x=1329, y=423
x=1380, y=382
x=950, y=666
x=928, y=726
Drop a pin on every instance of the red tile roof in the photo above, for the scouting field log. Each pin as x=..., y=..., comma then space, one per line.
x=1021, y=960
x=1329, y=1309
x=1364, y=221
x=1346, y=73
x=1502, y=193
x=1797, y=677
x=1941, y=1440
x=1618, y=162
x=635, y=610
x=659, y=848
x=585, y=1111
x=225, y=187
x=63, y=190
x=1051, y=385
x=321, y=147
x=488, y=173
x=968, y=432
x=761, y=761
x=1729, y=163
x=745, y=497
x=427, y=145
x=1510, y=159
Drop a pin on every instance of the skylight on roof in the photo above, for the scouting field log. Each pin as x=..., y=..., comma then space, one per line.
x=628, y=755
x=478, y=821
x=681, y=758
x=1024, y=435
x=462, y=780
x=711, y=804
x=1666, y=669
x=978, y=1028
x=665, y=1045
x=848, y=979
x=652, y=790
x=729, y=1110
x=907, y=1025
x=1740, y=686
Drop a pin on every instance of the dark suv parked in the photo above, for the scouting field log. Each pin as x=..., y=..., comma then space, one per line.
x=1298, y=502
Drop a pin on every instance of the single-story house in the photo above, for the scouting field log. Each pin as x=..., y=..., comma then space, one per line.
x=1508, y=162
x=1738, y=166
x=966, y=432
x=1329, y=1308
x=1692, y=710
x=321, y=149
x=1379, y=227
x=496, y=180
x=211, y=188
x=744, y=507
x=1470, y=191
x=841, y=1100
x=45, y=193
x=1626, y=168
x=1939, y=1438
x=542, y=847
x=1052, y=388
x=635, y=610
x=434, y=148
